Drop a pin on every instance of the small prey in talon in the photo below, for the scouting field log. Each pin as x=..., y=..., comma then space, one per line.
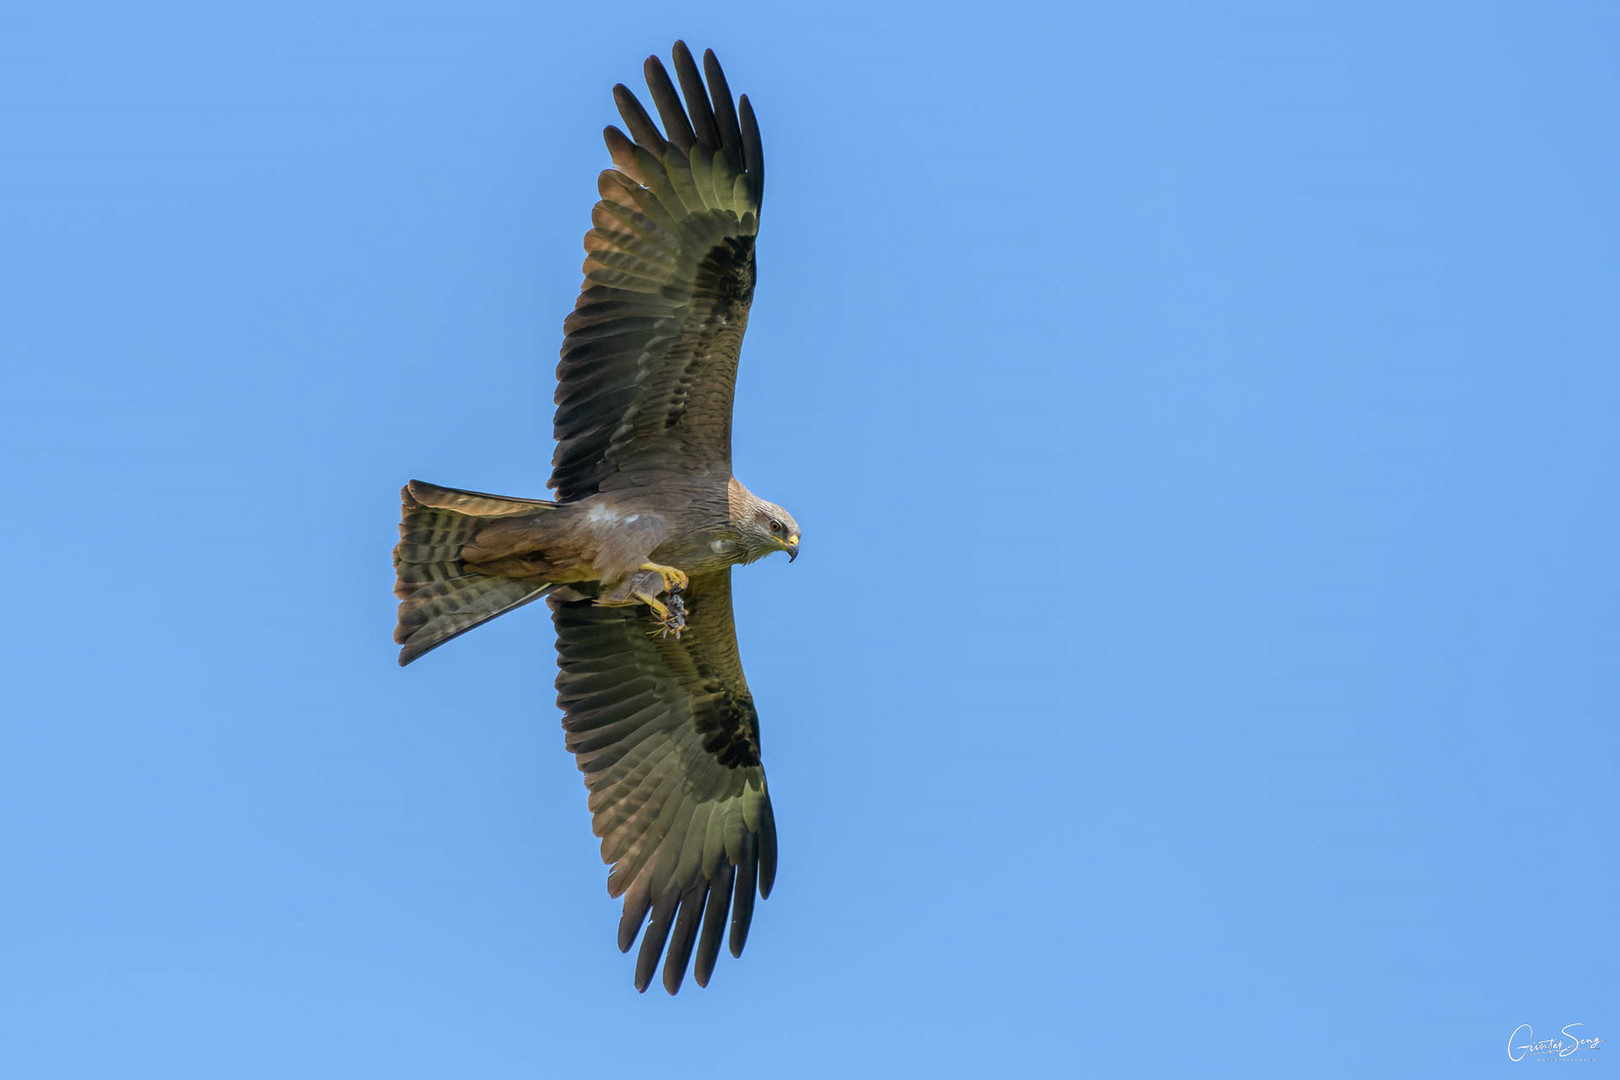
x=673, y=621
x=671, y=617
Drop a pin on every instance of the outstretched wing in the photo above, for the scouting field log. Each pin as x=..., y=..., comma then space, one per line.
x=666, y=734
x=649, y=362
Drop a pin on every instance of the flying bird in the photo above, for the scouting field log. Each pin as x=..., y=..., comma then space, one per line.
x=634, y=552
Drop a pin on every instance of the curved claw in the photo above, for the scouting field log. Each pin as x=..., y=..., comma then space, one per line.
x=675, y=579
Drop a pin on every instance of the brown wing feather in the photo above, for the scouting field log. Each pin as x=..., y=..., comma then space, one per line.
x=666, y=734
x=649, y=361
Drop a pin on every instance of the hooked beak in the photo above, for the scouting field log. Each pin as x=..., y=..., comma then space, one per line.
x=793, y=547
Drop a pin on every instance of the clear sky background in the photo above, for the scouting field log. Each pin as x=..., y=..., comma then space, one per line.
x=1203, y=657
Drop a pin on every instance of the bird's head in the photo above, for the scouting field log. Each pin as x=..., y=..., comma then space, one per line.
x=768, y=528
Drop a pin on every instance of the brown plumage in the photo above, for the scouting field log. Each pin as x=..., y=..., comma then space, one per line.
x=634, y=555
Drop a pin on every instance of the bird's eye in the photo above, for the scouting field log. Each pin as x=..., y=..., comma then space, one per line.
x=776, y=526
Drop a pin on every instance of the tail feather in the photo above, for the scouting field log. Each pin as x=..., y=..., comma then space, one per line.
x=443, y=610
x=441, y=597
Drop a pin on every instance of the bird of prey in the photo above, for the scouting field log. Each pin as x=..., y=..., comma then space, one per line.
x=634, y=552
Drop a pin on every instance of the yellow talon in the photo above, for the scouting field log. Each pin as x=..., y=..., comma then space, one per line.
x=674, y=579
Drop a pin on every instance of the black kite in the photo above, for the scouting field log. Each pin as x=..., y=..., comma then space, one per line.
x=635, y=553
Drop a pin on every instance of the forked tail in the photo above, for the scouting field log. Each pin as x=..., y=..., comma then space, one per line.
x=440, y=596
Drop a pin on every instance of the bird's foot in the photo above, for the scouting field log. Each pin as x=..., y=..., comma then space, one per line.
x=671, y=617
x=674, y=579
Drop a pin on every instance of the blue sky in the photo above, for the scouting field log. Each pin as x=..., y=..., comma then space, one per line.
x=1203, y=657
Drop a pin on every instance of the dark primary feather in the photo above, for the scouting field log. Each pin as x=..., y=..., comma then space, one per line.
x=668, y=104
x=649, y=362
x=665, y=731
x=725, y=112
x=696, y=94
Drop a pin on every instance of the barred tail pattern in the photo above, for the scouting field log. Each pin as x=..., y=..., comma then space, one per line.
x=441, y=597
